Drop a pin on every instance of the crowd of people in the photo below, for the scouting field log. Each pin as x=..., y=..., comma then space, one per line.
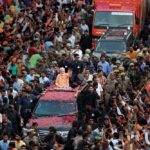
x=44, y=42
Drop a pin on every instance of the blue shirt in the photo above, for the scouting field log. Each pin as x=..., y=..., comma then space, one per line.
x=48, y=45
x=105, y=66
x=4, y=145
x=29, y=78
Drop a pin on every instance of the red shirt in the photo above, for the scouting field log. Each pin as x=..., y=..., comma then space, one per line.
x=32, y=51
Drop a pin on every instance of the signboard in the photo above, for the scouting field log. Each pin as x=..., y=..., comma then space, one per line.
x=121, y=13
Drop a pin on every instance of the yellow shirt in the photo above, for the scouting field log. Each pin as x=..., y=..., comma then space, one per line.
x=19, y=144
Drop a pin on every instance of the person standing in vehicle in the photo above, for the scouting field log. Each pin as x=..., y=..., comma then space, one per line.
x=64, y=62
x=62, y=80
x=77, y=68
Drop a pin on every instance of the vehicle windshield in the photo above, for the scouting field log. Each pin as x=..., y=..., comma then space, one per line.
x=113, y=19
x=54, y=108
x=111, y=46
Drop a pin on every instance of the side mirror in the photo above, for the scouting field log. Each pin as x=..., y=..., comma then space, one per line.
x=137, y=20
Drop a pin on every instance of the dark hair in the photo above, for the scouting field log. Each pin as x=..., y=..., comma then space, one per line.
x=52, y=129
x=23, y=146
x=36, y=145
x=12, y=144
x=5, y=134
x=31, y=143
x=100, y=125
x=74, y=124
x=65, y=55
x=17, y=133
x=95, y=84
x=116, y=135
x=76, y=55
x=80, y=132
x=34, y=124
x=85, y=134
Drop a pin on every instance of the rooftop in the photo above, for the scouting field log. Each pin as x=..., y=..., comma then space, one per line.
x=57, y=94
x=119, y=5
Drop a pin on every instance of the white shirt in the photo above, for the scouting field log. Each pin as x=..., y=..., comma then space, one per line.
x=1, y=78
x=14, y=93
x=84, y=27
x=59, y=39
x=114, y=141
x=43, y=80
x=79, y=52
x=99, y=89
x=39, y=5
x=72, y=40
x=90, y=77
x=18, y=84
x=97, y=132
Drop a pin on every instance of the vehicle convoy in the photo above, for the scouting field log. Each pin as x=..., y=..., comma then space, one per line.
x=57, y=108
x=118, y=14
x=114, y=42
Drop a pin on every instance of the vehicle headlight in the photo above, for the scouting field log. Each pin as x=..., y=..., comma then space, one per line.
x=43, y=133
x=64, y=134
x=95, y=39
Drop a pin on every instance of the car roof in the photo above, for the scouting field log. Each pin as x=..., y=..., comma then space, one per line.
x=55, y=94
x=109, y=5
x=116, y=34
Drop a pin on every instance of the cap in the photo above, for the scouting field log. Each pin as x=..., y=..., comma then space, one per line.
x=131, y=64
x=114, y=66
x=118, y=62
x=122, y=74
x=94, y=55
x=85, y=58
x=140, y=55
x=37, y=75
x=106, y=117
x=68, y=45
x=145, y=49
x=86, y=55
x=116, y=71
x=30, y=130
x=87, y=51
x=98, y=138
x=75, y=28
x=121, y=68
x=54, y=62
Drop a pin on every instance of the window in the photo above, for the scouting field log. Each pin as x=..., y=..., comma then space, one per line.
x=113, y=19
x=52, y=108
x=111, y=46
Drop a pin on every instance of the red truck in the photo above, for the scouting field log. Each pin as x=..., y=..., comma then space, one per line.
x=57, y=108
x=118, y=14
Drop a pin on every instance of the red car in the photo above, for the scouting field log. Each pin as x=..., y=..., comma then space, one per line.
x=57, y=108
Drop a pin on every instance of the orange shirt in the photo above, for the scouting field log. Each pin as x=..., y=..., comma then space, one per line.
x=148, y=57
x=62, y=80
x=9, y=1
x=132, y=55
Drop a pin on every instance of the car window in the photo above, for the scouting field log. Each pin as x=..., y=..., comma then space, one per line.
x=111, y=46
x=51, y=108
